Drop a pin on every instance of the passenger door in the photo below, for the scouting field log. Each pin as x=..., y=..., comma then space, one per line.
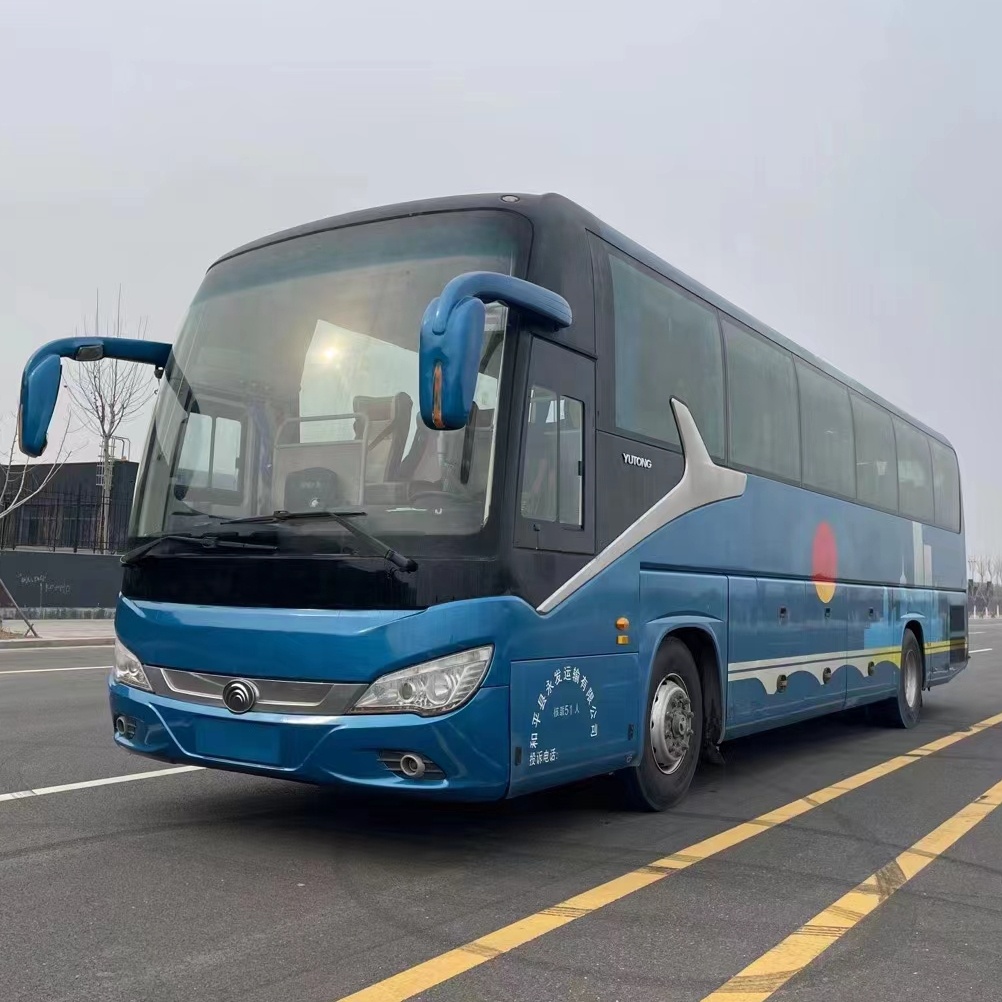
x=553, y=508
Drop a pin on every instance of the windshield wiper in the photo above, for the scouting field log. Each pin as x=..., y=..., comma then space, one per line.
x=198, y=540
x=342, y=518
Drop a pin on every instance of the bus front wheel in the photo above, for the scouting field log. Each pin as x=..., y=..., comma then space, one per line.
x=673, y=732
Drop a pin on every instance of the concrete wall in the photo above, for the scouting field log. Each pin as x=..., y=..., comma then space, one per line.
x=59, y=585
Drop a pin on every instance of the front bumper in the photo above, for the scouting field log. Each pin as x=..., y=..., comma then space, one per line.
x=470, y=746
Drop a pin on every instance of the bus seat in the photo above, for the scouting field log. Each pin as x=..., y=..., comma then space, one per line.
x=389, y=422
x=422, y=464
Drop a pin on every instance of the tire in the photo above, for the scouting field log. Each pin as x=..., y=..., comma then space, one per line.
x=674, y=705
x=905, y=709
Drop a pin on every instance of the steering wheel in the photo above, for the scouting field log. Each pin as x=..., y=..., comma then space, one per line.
x=316, y=487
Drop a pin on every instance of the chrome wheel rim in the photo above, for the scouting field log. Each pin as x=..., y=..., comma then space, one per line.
x=912, y=679
x=671, y=724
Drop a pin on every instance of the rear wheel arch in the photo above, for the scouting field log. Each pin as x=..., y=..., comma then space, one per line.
x=904, y=708
x=915, y=627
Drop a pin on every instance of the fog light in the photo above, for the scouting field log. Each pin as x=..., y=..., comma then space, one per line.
x=125, y=727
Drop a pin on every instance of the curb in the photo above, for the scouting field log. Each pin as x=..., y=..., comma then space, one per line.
x=37, y=642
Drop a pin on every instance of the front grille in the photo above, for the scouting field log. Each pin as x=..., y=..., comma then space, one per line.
x=275, y=695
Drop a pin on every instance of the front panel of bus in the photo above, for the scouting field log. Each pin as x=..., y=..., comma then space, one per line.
x=320, y=585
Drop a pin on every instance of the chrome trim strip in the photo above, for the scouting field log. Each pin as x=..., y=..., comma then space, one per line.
x=702, y=483
x=275, y=695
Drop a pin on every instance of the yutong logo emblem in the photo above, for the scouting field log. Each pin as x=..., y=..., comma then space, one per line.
x=239, y=696
x=641, y=461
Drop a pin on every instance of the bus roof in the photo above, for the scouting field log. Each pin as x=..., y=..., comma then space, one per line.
x=549, y=209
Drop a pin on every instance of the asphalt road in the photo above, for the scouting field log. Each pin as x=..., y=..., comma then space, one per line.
x=206, y=886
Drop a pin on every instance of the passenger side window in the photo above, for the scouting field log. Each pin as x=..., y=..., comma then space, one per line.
x=876, y=456
x=552, y=474
x=915, y=495
x=826, y=431
x=210, y=453
x=762, y=395
x=946, y=486
x=667, y=345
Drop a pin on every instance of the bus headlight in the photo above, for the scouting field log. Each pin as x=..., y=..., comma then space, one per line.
x=128, y=669
x=428, y=689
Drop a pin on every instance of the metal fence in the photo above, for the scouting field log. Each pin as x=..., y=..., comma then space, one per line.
x=67, y=521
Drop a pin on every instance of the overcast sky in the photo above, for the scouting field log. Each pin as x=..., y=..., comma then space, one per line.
x=832, y=167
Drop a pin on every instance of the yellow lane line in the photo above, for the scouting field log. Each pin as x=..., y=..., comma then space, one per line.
x=448, y=965
x=760, y=979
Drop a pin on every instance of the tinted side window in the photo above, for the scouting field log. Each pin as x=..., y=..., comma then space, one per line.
x=552, y=478
x=915, y=498
x=946, y=485
x=826, y=431
x=876, y=457
x=762, y=395
x=667, y=344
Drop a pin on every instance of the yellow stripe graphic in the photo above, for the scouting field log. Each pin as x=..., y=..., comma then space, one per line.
x=425, y=976
x=772, y=970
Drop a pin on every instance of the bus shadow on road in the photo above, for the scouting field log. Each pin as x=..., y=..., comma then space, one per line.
x=790, y=761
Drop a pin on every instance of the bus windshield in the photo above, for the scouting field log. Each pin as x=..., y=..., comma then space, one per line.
x=293, y=386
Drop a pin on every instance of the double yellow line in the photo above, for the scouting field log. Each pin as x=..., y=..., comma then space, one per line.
x=760, y=979
x=773, y=969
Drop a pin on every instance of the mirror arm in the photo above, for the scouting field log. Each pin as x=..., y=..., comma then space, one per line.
x=92, y=349
x=491, y=286
x=42, y=377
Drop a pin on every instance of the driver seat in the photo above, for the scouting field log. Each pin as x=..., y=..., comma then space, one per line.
x=388, y=422
x=421, y=466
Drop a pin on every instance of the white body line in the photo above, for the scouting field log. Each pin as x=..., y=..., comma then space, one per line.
x=702, y=483
x=847, y=657
x=44, y=791
x=816, y=666
x=769, y=671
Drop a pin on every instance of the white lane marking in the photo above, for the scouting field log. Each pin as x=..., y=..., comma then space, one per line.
x=35, y=671
x=44, y=791
x=980, y=650
x=976, y=633
x=68, y=647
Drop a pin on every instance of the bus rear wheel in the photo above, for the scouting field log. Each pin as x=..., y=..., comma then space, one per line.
x=673, y=732
x=905, y=708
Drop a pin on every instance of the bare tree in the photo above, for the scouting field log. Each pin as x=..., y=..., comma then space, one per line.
x=20, y=484
x=107, y=393
x=981, y=573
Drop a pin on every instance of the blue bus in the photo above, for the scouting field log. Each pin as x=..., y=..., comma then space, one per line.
x=472, y=497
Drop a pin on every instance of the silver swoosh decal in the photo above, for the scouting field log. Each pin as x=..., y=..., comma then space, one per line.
x=702, y=483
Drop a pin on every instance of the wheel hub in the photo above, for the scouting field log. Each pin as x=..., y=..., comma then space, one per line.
x=911, y=679
x=671, y=724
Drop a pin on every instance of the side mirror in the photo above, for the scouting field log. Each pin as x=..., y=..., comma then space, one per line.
x=452, y=335
x=42, y=376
